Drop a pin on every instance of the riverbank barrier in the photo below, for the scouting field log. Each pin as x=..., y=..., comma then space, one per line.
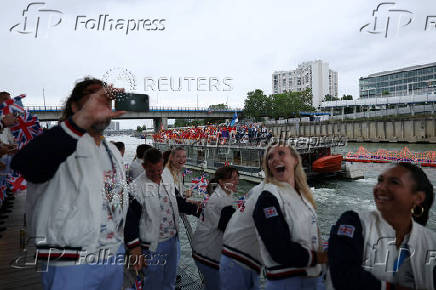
x=417, y=130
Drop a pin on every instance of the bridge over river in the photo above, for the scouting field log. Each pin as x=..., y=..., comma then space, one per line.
x=159, y=115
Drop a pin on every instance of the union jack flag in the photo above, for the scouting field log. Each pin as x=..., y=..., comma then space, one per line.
x=27, y=128
x=200, y=184
x=346, y=230
x=16, y=182
x=138, y=283
x=10, y=106
x=240, y=203
x=186, y=171
x=18, y=101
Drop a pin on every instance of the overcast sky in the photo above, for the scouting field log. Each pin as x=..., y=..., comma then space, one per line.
x=242, y=40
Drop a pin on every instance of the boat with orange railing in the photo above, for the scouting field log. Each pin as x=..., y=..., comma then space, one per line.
x=425, y=159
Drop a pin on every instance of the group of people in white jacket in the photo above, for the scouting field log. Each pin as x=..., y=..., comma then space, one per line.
x=80, y=205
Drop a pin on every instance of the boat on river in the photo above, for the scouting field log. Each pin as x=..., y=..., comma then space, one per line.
x=316, y=154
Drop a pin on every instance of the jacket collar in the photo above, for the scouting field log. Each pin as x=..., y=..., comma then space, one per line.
x=219, y=191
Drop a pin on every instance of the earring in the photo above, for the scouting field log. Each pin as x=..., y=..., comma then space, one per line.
x=415, y=213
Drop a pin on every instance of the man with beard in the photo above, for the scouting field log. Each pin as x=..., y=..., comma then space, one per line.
x=77, y=198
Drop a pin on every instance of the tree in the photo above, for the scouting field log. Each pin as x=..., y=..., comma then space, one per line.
x=385, y=92
x=189, y=122
x=347, y=97
x=138, y=129
x=219, y=107
x=290, y=104
x=329, y=97
x=257, y=105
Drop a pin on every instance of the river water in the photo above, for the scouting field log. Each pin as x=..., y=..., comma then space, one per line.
x=333, y=196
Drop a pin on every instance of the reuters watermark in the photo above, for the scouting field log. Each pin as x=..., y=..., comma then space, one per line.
x=188, y=83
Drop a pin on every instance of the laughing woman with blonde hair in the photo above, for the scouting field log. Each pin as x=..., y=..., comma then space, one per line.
x=286, y=223
x=280, y=215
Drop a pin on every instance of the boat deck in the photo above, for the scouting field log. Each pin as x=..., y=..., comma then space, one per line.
x=11, y=278
x=30, y=279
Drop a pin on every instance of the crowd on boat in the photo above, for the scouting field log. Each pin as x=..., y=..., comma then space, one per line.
x=93, y=220
x=240, y=133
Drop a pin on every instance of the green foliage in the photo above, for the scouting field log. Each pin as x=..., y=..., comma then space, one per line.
x=347, y=97
x=257, y=105
x=329, y=97
x=140, y=129
x=285, y=105
x=219, y=107
x=385, y=92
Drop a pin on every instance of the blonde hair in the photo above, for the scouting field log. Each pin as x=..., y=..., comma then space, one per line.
x=174, y=172
x=299, y=175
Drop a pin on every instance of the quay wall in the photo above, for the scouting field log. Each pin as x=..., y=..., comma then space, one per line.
x=421, y=130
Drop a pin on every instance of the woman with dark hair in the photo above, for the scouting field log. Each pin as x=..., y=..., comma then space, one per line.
x=135, y=167
x=83, y=88
x=208, y=237
x=387, y=248
x=77, y=197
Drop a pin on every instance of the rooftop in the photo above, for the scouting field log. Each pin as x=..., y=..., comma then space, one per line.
x=410, y=68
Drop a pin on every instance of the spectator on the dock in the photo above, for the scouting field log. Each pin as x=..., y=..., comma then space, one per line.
x=135, y=167
x=390, y=247
x=76, y=198
x=152, y=223
x=285, y=221
x=208, y=238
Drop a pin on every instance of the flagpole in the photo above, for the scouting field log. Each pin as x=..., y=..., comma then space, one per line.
x=43, y=96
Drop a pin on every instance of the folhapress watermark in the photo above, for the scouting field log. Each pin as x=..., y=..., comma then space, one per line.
x=107, y=23
x=38, y=20
x=388, y=20
x=40, y=259
x=188, y=84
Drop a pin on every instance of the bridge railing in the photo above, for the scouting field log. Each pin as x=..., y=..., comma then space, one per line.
x=409, y=99
x=151, y=109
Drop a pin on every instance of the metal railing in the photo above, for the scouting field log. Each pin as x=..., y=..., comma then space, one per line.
x=151, y=109
x=410, y=99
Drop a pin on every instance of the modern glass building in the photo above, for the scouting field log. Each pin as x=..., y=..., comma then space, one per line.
x=419, y=79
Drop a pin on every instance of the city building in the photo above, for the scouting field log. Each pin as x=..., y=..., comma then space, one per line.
x=114, y=126
x=315, y=75
x=418, y=79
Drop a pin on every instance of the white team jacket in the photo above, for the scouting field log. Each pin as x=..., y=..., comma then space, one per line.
x=65, y=211
x=302, y=221
x=147, y=193
x=208, y=239
x=240, y=240
x=379, y=240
